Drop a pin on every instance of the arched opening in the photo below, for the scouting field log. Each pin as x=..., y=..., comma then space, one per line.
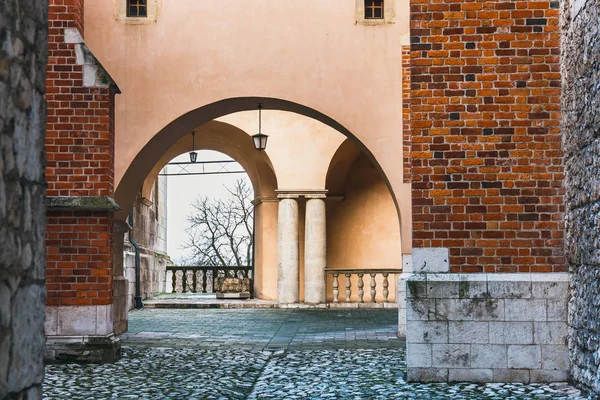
x=146, y=159
x=363, y=233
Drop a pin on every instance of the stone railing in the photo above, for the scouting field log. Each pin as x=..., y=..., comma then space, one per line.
x=201, y=279
x=361, y=275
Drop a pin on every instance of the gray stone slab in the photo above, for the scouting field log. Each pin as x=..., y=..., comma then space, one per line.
x=524, y=310
x=509, y=289
x=427, y=375
x=524, y=356
x=418, y=356
x=511, y=375
x=454, y=309
x=451, y=355
x=477, y=375
x=555, y=358
x=427, y=332
x=550, y=333
x=420, y=309
x=489, y=356
x=511, y=332
x=430, y=260
x=468, y=332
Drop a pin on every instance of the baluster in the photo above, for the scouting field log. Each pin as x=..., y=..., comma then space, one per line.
x=174, y=281
x=194, y=280
x=336, y=292
x=373, y=291
x=184, y=281
x=214, y=277
x=348, y=288
x=204, y=272
x=361, y=285
x=386, y=284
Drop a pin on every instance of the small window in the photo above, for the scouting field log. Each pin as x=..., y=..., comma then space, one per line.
x=137, y=8
x=373, y=9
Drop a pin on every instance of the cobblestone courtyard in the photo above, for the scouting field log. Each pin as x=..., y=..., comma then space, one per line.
x=265, y=354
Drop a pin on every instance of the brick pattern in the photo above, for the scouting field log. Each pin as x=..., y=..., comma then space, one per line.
x=79, y=258
x=487, y=163
x=68, y=13
x=80, y=138
x=406, y=129
x=80, y=163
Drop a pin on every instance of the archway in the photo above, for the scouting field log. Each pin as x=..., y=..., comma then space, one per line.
x=150, y=154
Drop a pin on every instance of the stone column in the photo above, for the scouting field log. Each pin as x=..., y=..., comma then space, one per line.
x=287, y=245
x=315, y=250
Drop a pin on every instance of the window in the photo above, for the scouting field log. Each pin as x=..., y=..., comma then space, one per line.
x=137, y=8
x=373, y=9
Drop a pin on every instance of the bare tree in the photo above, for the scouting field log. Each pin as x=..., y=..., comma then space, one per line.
x=220, y=232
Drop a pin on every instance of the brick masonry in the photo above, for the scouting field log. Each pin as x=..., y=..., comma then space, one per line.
x=23, y=57
x=487, y=164
x=487, y=327
x=80, y=173
x=406, y=129
x=581, y=119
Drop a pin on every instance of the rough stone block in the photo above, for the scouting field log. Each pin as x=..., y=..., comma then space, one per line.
x=488, y=356
x=468, y=332
x=549, y=286
x=527, y=356
x=557, y=309
x=427, y=375
x=443, y=288
x=470, y=375
x=511, y=332
x=451, y=355
x=547, y=376
x=511, y=375
x=550, y=333
x=555, y=357
x=488, y=309
x=418, y=355
x=454, y=310
x=472, y=286
x=524, y=310
x=420, y=309
x=430, y=260
x=427, y=332
x=509, y=289
x=416, y=287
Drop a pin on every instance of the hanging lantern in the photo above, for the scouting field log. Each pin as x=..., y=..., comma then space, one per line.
x=260, y=139
x=193, y=154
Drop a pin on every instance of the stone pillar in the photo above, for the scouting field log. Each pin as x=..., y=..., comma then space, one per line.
x=120, y=283
x=315, y=249
x=288, y=260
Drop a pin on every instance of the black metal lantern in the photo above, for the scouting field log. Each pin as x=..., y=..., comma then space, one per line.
x=260, y=139
x=193, y=154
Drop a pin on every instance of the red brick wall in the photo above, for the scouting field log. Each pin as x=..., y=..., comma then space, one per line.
x=80, y=153
x=68, y=13
x=487, y=163
x=79, y=258
x=406, y=130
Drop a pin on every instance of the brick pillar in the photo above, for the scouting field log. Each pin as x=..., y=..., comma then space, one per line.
x=487, y=164
x=80, y=173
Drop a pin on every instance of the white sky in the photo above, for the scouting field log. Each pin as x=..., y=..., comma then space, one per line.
x=183, y=190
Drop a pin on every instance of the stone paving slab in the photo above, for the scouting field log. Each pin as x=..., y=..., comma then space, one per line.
x=224, y=354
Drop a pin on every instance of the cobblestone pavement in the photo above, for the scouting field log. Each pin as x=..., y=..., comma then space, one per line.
x=266, y=354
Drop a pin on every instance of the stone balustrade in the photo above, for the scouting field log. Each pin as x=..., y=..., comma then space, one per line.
x=362, y=275
x=203, y=279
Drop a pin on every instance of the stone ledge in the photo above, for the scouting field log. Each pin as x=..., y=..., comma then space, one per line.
x=83, y=349
x=81, y=203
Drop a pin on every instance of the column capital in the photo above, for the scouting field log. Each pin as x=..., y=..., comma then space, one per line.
x=297, y=193
x=264, y=199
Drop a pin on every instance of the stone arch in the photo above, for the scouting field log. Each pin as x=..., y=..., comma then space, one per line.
x=362, y=229
x=150, y=154
x=226, y=139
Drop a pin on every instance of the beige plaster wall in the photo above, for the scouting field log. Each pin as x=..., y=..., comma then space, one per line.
x=362, y=230
x=306, y=56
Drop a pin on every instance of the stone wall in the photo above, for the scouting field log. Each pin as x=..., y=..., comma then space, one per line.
x=487, y=327
x=23, y=57
x=581, y=136
x=487, y=164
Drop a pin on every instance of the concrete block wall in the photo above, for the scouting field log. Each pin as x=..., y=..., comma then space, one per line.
x=487, y=327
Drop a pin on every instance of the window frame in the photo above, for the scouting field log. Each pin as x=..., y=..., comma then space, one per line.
x=138, y=7
x=372, y=7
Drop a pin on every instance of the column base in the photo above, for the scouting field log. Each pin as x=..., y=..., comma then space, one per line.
x=82, y=349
